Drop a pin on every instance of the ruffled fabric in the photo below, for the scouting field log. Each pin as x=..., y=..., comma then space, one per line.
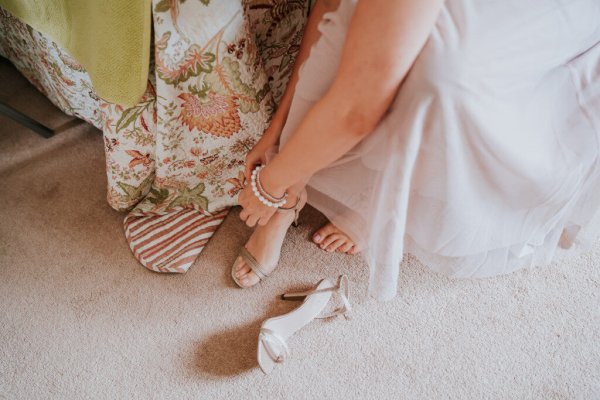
x=488, y=159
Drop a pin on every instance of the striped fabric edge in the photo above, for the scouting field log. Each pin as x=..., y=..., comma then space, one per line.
x=170, y=242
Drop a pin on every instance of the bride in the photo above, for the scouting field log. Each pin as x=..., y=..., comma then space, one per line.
x=464, y=132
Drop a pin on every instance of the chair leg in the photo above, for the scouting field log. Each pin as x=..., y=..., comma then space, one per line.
x=25, y=120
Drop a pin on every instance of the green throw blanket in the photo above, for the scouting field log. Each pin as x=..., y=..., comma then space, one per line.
x=110, y=38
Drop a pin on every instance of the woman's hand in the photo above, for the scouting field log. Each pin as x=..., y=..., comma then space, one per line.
x=258, y=154
x=253, y=210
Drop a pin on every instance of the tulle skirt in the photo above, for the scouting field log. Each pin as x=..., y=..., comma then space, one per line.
x=488, y=159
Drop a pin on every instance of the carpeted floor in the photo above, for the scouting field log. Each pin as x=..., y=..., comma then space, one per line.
x=81, y=319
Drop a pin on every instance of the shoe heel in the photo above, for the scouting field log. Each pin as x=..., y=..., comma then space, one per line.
x=293, y=297
x=296, y=210
x=295, y=223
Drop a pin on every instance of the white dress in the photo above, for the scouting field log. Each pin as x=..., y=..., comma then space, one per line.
x=488, y=159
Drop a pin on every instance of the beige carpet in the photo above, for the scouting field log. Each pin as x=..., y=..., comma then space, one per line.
x=81, y=319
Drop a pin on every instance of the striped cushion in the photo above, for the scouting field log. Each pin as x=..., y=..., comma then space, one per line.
x=170, y=242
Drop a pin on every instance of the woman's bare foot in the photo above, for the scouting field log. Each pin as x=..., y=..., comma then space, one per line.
x=330, y=238
x=265, y=246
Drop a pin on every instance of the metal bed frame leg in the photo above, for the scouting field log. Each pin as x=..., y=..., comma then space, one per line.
x=25, y=120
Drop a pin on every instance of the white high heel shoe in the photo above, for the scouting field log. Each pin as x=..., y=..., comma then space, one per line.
x=274, y=332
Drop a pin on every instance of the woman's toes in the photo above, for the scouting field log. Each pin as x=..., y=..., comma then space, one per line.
x=239, y=263
x=328, y=240
x=345, y=247
x=243, y=271
x=249, y=279
x=322, y=233
x=335, y=245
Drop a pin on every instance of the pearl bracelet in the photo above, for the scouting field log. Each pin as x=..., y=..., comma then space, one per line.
x=261, y=194
x=262, y=191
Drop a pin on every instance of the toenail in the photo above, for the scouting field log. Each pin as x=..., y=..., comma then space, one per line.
x=317, y=238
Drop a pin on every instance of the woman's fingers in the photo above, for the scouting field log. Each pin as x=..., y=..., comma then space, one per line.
x=253, y=211
x=251, y=162
x=251, y=221
x=248, y=170
x=262, y=221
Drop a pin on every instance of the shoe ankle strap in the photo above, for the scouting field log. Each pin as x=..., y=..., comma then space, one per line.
x=342, y=289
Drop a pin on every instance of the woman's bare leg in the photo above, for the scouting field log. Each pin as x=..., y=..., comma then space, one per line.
x=266, y=241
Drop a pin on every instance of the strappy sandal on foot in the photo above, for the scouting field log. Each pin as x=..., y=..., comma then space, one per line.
x=274, y=332
x=245, y=255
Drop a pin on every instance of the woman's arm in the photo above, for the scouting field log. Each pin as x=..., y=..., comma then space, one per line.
x=258, y=154
x=383, y=40
x=310, y=36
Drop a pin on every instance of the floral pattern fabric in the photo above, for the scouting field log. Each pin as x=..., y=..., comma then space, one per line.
x=175, y=159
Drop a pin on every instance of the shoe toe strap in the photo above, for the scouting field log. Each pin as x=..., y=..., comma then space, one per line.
x=274, y=344
x=254, y=265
